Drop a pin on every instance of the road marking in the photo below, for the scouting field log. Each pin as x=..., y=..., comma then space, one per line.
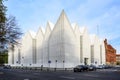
x=1, y=73
x=67, y=77
x=90, y=75
x=26, y=79
x=107, y=70
x=36, y=73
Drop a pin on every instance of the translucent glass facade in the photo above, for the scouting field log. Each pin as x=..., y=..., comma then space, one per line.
x=60, y=46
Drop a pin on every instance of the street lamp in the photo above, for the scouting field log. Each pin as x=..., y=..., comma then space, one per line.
x=63, y=64
x=49, y=63
x=56, y=63
x=22, y=61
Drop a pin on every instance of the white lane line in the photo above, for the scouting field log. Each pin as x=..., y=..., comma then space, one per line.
x=109, y=70
x=26, y=79
x=1, y=73
x=67, y=77
x=36, y=73
x=90, y=75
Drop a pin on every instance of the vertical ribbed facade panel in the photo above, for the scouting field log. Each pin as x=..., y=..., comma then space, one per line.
x=27, y=50
x=61, y=46
x=39, y=47
x=45, y=52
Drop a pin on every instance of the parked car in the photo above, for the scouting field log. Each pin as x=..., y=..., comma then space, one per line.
x=7, y=67
x=92, y=68
x=107, y=66
x=86, y=67
x=100, y=67
x=80, y=68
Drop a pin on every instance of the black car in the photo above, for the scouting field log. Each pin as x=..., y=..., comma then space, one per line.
x=80, y=68
x=7, y=67
x=92, y=68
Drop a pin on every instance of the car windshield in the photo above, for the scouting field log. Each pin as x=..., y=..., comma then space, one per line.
x=79, y=66
x=92, y=66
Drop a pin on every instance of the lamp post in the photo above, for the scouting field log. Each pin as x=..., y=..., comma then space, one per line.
x=22, y=61
x=30, y=66
x=56, y=63
x=63, y=64
x=49, y=64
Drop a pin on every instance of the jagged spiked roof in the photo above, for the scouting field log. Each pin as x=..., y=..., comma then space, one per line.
x=63, y=18
x=63, y=22
x=63, y=30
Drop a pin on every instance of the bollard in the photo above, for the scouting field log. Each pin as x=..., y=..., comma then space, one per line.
x=65, y=69
x=41, y=67
x=47, y=69
x=54, y=69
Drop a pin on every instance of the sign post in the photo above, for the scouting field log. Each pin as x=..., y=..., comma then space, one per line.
x=49, y=64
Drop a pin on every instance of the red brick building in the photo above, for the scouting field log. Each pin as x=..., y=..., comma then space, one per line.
x=110, y=54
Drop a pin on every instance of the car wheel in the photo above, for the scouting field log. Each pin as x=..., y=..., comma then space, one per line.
x=79, y=70
x=75, y=71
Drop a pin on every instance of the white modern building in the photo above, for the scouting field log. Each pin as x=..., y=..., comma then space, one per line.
x=63, y=45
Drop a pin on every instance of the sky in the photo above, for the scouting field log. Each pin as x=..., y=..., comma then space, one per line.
x=101, y=17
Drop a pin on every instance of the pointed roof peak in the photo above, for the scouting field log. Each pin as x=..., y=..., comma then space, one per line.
x=51, y=25
x=39, y=30
x=43, y=30
x=63, y=22
x=73, y=25
x=32, y=33
x=62, y=19
x=63, y=12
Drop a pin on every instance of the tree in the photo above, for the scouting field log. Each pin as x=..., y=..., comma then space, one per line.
x=2, y=13
x=3, y=58
x=9, y=30
x=2, y=22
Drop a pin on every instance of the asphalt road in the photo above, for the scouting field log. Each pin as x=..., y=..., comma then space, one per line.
x=17, y=74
